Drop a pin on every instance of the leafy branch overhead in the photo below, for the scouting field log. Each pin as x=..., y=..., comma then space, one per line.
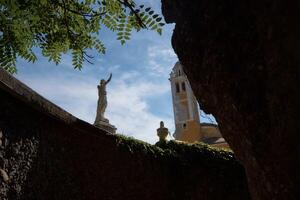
x=59, y=26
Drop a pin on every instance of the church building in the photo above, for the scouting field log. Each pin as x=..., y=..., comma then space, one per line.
x=186, y=113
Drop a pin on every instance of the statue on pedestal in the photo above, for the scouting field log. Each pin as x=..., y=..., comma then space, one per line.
x=162, y=132
x=101, y=121
x=102, y=101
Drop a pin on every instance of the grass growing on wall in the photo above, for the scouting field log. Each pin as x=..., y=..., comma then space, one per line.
x=185, y=152
x=187, y=163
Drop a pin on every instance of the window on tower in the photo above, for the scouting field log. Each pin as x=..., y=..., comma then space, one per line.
x=179, y=72
x=183, y=86
x=177, y=88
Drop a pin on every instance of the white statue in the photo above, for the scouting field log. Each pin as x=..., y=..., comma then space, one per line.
x=102, y=101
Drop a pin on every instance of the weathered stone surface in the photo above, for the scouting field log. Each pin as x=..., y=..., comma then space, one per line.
x=106, y=126
x=242, y=59
x=4, y=175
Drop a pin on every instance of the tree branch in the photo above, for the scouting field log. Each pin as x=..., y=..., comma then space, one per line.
x=77, y=12
x=127, y=4
x=85, y=55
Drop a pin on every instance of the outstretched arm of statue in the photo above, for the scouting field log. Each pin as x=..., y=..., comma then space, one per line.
x=108, y=78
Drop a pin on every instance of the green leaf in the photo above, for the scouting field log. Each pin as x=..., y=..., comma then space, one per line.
x=158, y=19
x=77, y=59
x=155, y=16
x=154, y=27
x=148, y=21
x=159, y=31
x=152, y=23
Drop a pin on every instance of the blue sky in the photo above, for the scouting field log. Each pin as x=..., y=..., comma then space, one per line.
x=139, y=95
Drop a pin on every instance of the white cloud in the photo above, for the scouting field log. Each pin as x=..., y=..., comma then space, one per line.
x=163, y=52
x=114, y=68
x=161, y=59
x=128, y=107
x=74, y=94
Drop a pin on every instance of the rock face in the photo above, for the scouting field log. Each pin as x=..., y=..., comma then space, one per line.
x=242, y=59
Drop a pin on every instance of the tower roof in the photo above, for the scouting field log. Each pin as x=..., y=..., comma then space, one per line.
x=177, y=70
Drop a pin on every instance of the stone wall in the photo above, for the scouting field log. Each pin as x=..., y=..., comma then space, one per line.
x=242, y=60
x=46, y=153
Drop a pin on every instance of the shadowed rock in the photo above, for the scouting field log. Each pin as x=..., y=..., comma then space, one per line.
x=242, y=59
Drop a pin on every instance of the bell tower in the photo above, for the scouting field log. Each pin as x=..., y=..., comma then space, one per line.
x=185, y=106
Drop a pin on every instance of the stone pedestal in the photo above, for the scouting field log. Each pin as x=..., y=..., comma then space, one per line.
x=105, y=125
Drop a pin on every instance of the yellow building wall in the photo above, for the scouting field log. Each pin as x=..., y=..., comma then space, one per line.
x=192, y=130
x=191, y=133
